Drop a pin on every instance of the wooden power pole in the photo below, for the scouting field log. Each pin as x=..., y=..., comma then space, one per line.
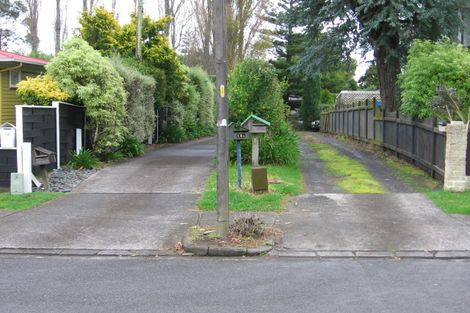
x=220, y=42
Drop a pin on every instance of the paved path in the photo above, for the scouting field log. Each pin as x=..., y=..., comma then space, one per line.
x=144, y=203
x=399, y=220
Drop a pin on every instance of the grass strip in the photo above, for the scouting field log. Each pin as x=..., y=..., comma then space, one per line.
x=285, y=182
x=26, y=201
x=351, y=175
x=449, y=202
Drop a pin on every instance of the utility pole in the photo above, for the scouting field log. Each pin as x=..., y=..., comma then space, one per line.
x=140, y=15
x=220, y=42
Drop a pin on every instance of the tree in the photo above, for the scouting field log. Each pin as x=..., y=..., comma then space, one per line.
x=369, y=81
x=57, y=27
x=31, y=22
x=100, y=30
x=140, y=15
x=310, y=109
x=436, y=74
x=387, y=27
x=89, y=5
x=288, y=46
x=9, y=12
x=91, y=80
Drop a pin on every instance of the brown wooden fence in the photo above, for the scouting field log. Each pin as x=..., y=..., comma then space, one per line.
x=418, y=142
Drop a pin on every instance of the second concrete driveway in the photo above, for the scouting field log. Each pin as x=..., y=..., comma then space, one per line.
x=144, y=203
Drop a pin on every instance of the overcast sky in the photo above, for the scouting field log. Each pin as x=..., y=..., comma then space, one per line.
x=124, y=8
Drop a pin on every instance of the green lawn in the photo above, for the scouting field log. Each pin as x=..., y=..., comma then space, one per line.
x=285, y=182
x=449, y=202
x=349, y=174
x=26, y=201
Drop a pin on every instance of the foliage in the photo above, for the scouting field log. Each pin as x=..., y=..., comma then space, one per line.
x=132, y=147
x=288, y=46
x=370, y=80
x=255, y=89
x=140, y=100
x=206, y=107
x=26, y=201
x=10, y=10
x=340, y=77
x=351, y=175
x=86, y=159
x=310, y=109
x=327, y=98
x=290, y=183
x=388, y=27
x=99, y=29
x=91, y=80
x=175, y=131
x=41, y=55
x=41, y=90
x=432, y=70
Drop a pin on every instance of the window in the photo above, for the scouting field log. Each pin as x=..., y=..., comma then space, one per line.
x=15, y=78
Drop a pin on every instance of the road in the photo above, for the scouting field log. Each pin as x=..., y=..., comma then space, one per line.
x=193, y=285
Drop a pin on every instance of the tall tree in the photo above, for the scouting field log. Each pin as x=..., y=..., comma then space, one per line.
x=140, y=16
x=288, y=45
x=31, y=22
x=57, y=27
x=9, y=12
x=88, y=5
x=387, y=27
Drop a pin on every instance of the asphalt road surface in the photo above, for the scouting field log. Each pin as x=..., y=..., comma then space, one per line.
x=281, y=285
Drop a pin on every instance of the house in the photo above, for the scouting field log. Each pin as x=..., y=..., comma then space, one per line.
x=13, y=69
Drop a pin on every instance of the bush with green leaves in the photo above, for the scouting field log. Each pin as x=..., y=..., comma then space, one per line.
x=132, y=147
x=86, y=159
x=140, y=100
x=40, y=90
x=175, y=131
x=255, y=89
x=433, y=68
x=205, y=118
x=91, y=80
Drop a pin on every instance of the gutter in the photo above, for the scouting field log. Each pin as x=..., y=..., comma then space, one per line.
x=12, y=68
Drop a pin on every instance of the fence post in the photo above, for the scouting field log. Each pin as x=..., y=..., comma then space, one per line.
x=367, y=119
x=413, y=140
x=397, y=142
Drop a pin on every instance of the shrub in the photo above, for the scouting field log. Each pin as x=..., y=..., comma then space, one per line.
x=190, y=101
x=254, y=88
x=247, y=226
x=41, y=90
x=175, y=131
x=91, y=80
x=140, y=100
x=84, y=160
x=132, y=147
x=432, y=68
x=205, y=87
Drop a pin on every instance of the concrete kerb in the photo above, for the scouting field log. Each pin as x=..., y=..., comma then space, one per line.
x=208, y=249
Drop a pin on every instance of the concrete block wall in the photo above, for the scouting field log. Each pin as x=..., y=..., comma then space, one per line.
x=455, y=178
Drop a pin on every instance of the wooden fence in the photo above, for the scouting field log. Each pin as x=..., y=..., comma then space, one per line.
x=418, y=142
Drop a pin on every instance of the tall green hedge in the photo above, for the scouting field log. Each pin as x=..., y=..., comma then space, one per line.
x=255, y=89
x=205, y=87
x=140, y=100
x=91, y=80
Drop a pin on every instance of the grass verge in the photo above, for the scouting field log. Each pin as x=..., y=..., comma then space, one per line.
x=349, y=174
x=284, y=182
x=449, y=202
x=26, y=201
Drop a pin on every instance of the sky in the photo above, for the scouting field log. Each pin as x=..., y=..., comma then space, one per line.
x=124, y=8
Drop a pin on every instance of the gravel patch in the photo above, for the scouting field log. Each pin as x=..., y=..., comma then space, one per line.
x=65, y=179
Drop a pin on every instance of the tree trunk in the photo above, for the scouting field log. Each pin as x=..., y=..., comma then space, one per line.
x=140, y=13
x=168, y=13
x=388, y=69
x=85, y=5
x=32, y=24
x=57, y=27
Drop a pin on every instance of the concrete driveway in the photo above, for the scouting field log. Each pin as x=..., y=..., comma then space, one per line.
x=325, y=219
x=142, y=204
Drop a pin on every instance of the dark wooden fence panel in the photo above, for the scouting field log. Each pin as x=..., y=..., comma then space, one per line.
x=71, y=117
x=7, y=166
x=419, y=142
x=39, y=127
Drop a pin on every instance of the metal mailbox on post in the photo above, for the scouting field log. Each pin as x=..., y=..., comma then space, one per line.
x=7, y=136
